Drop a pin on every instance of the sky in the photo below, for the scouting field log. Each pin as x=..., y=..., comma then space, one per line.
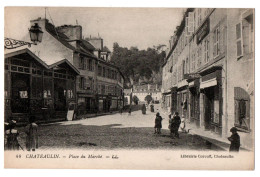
x=138, y=27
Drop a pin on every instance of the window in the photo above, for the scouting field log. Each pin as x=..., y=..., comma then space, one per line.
x=47, y=87
x=82, y=81
x=199, y=57
x=90, y=65
x=36, y=88
x=99, y=89
x=100, y=70
x=193, y=61
x=104, y=72
x=206, y=51
x=187, y=65
x=242, y=108
x=71, y=89
x=239, y=40
x=183, y=69
x=103, y=89
x=82, y=63
x=247, y=32
x=88, y=84
x=216, y=42
x=116, y=75
x=112, y=73
x=199, y=17
x=191, y=22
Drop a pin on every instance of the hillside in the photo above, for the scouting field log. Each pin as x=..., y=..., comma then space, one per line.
x=139, y=66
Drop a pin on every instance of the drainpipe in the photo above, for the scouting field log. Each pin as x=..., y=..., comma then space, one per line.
x=226, y=75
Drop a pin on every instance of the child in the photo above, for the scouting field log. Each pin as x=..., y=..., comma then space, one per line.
x=183, y=125
x=234, y=139
x=11, y=136
x=32, y=134
x=158, y=124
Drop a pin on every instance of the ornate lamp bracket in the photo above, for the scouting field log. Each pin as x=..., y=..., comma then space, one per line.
x=12, y=43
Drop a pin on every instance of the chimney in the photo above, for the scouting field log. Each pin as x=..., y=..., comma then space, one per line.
x=73, y=32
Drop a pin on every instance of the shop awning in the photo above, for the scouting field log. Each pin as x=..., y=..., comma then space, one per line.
x=191, y=84
x=166, y=92
x=208, y=83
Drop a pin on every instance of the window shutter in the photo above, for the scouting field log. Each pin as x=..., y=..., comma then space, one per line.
x=80, y=64
x=214, y=44
x=222, y=39
x=79, y=82
x=239, y=40
x=245, y=33
x=93, y=65
x=187, y=27
x=85, y=83
x=85, y=64
x=191, y=22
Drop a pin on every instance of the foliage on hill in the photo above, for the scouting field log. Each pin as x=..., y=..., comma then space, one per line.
x=139, y=66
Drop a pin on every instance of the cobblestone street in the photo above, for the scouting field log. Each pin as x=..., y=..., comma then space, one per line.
x=114, y=131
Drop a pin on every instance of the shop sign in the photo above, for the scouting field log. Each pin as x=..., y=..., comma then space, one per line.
x=203, y=31
x=192, y=76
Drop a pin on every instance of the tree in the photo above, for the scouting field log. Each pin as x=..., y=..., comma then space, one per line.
x=135, y=99
x=139, y=64
x=148, y=98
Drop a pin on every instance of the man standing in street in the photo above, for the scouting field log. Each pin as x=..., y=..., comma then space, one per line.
x=176, y=124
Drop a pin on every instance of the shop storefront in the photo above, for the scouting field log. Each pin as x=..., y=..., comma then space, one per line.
x=167, y=101
x=86, y=104
x=173, y=99
x=34, y=88
x=182, y=96
x=194, y=101
x=211, y=99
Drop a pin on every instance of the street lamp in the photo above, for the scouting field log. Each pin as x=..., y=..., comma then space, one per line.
x=35, y=35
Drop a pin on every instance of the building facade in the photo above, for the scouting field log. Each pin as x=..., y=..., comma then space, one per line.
x=33, y=87
x=141, y=91
x=200, y=74
x=92, y=84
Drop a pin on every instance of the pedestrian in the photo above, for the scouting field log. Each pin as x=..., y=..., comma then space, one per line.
x=158, y=123
x=143, y=109
x=121, y=110
x=130, y=110
x=176, y=124
x=171, y=125
x=183, y=124
x=31, y=131
x=152, y=108
x=12, y=136
x=235, y=140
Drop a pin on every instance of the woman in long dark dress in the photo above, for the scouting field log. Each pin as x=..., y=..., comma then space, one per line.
x=143, y=109
x=152, y=108
x=158, y=124
x=31, y=131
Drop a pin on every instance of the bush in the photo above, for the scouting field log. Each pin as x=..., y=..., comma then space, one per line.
x=148, y=98
x=135, y=99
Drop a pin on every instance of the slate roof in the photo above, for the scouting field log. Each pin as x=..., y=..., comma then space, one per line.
x=62, y=38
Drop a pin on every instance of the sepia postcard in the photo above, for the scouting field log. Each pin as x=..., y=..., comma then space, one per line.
x=129, y=88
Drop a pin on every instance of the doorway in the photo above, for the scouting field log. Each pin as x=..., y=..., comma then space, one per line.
x=60, y=95
x=20, y=92
x=209, y=107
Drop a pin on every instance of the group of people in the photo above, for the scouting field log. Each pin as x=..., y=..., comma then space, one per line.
x=12, y=134
x=174, y=124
